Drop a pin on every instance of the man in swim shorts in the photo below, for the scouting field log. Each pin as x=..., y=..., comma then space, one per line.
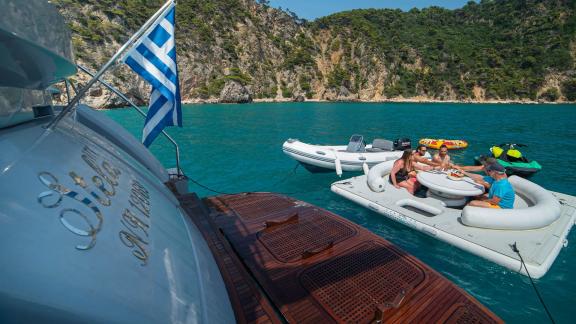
x=442, y=158
x=500, y=191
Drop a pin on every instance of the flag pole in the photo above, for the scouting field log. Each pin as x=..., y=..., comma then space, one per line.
x=108, y=64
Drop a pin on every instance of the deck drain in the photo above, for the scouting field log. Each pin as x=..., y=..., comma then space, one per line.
x=354, y=286
x=312, y=233
x=253, y=206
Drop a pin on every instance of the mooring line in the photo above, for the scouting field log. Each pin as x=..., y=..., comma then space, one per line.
x=515, y=249
x=286, y=177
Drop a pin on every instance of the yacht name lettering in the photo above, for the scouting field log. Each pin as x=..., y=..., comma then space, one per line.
x=136, y=224
x=94, y=192
x=54, y=197
x=139, y=198
x=79, y=181
x=91, y=158
x=138, y=246
x=97, y=181
x=129, y=218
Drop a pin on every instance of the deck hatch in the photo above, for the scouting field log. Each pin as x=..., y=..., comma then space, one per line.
x=313, y=231
x=353, y=286
x=254, y=206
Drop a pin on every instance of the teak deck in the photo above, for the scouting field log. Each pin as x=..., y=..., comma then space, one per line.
x=285, y=260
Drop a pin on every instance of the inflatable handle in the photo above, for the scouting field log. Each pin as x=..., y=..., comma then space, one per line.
x=337, y=163
x=376, y=177
x=338, y=167
x=365, y=168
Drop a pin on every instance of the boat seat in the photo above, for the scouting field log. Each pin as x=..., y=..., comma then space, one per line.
x=542, y=209
x=381, y=145
x=356, y=144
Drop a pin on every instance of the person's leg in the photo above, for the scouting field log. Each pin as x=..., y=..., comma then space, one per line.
x=480, y=203
x=416, y=184
x=481, y=197
x=408, y=185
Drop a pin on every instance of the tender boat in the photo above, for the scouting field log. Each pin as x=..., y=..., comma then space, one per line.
x=512, y=159
x=356, y=156
x=94, y=229
x=538, y=224
x=450, y=144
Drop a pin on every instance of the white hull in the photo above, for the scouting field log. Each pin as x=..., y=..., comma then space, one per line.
x=539, y=247
x=326, y=156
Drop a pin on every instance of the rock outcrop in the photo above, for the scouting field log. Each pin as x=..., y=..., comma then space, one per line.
x=299, y=98
x=234, y=92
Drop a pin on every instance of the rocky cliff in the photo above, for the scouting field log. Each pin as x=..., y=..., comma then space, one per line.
x=495, y=50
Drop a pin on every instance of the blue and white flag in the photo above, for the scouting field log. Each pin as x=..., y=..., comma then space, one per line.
x=153, y=57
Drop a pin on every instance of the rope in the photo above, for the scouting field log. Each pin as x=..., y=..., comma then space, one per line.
x=286, y=177
x=208, y=188
x=515, y=249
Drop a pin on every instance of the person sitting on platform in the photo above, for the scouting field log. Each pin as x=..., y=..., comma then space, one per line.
x=442, y=158
x=403, y=173
x=420, y=157
x=500, y=191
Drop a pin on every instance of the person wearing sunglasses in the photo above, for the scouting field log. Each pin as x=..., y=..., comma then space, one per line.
x=420, y=157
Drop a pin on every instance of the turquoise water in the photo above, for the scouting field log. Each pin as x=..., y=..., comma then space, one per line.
x=235, y=148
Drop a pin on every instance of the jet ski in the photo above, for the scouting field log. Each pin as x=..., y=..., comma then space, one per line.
x=512, y=159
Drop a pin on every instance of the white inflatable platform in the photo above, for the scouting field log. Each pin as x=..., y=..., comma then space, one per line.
x=539, y=223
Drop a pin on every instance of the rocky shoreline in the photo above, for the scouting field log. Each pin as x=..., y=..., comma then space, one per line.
x=236, y=93
x=387, y=100
x=393, y=100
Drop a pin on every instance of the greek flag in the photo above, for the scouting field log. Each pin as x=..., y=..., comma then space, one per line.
x=153, y=57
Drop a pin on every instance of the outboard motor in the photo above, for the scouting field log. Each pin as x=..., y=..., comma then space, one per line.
x=356, y=144
x=402, y=144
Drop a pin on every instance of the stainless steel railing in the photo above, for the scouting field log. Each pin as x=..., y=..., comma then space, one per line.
x=133, y=105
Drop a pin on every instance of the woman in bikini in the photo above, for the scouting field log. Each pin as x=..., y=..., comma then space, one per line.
x=403, y=174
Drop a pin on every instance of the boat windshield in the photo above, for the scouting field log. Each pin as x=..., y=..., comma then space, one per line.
x=17, y=104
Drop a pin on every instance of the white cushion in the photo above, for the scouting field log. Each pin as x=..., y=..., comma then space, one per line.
x=543, y=209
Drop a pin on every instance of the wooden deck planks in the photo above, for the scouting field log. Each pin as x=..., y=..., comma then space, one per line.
x=249, y=305
x=245, y=234
x=281, y=277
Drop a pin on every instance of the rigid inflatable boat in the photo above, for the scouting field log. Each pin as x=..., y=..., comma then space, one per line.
x=354, y=157
x=450, y=144
x=513, y=160
x=539, y=223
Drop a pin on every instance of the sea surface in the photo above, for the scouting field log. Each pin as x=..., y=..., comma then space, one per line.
x=238, y=148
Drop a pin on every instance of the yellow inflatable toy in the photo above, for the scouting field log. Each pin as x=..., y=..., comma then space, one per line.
x=450, y=144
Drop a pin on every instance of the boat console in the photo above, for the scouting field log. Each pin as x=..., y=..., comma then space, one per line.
x=356, y=144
